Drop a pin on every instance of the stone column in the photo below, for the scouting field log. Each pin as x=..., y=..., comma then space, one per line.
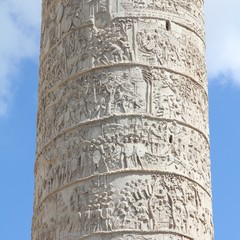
x=122, y=135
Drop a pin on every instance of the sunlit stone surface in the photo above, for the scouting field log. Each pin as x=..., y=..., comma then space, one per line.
x=122, y=138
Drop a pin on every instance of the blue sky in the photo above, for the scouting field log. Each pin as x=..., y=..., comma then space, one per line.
x=19, y=50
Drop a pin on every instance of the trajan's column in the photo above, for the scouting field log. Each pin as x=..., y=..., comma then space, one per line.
x=123, y=138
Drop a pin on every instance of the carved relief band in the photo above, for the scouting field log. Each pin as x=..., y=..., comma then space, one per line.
x=123, y=90
x=124, y=144
x=177, y=49
x=151, y=204
x=122, y=131
x=61, y=18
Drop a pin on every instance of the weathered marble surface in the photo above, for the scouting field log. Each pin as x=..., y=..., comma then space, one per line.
x=122, y=133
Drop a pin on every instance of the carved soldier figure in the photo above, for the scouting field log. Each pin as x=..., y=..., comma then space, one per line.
x=129, y=153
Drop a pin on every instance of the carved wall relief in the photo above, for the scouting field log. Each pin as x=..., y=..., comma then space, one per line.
x=129, y=144
x=174, y=49
x=64, y=16
x=149, y=203
x=89, y=47
x=187, y=13
x=122, y=133
x=124, y=90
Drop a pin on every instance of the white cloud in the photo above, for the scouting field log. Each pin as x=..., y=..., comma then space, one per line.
x=20, y=23
x=223, y=40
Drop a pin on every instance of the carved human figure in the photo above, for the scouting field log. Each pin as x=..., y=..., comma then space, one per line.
x=120, y=100
x=87, y=219
x=163, y=209
x=98, y=218
x=154, y=138
x=140, y=150
x=129, y=153
x=143, y=216
x=101, y=105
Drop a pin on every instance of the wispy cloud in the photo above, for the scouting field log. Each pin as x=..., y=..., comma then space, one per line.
x=20, y=21
x=223, y=40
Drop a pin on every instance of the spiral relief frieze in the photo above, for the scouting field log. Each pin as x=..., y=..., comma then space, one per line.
x=122, y=131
